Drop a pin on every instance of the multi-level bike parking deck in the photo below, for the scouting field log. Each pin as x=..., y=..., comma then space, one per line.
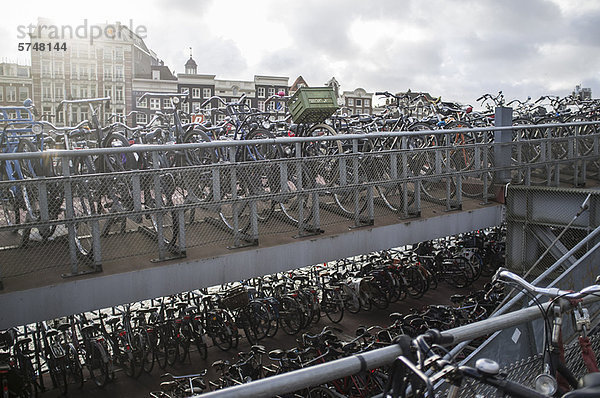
x=84, y=241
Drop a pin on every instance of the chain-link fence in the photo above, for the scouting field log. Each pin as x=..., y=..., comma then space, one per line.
x=187, y=199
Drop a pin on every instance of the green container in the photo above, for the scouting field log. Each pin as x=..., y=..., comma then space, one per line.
x=313, y=104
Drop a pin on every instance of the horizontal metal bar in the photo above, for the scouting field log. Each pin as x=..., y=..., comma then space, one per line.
x=281, y=140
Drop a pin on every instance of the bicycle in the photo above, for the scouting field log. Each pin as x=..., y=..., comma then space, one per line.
x=556, y=376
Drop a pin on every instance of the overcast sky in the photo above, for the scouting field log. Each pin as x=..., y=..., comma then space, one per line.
x=456, y=49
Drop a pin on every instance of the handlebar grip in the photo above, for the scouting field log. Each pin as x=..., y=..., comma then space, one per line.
x=436, y=337
x=480, y=98
x=380, y=92
x=513, y=389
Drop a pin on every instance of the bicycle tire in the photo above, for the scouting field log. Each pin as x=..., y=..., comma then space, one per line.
x=98, y=366
x=333, y=305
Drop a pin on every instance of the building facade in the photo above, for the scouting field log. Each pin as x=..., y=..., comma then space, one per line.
x=159, y=79
x=16, y=84
x=201, y=87
x=357, y=102
x=105, y=67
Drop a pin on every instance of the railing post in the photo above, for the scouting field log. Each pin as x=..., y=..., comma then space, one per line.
x=502, y=140
x=70, y=215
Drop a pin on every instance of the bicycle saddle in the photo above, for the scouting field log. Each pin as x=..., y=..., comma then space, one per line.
x=51, y=333
x=457, y=298
x=395, y=316
x=63, y=327
x=276, y=354
x=112, y=321
x=258, y=349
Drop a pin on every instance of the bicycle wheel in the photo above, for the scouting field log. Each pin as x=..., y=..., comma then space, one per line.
x=219, y=332
x=160, y=347
x=168, y=221
x=138, y=347
x=172, y=348
x=198, y=182
x=415, y=282
x=333, y=305
x=98, y=366
x=200, y=340
x=58, y=374
x=291, y=317
x=273, y=317
x=149, y=351
x=184, y=342
x=259, y=319
x=117, y=161
x=265, y=179
x=292, y=207
x=74, y=368
x=351, y=299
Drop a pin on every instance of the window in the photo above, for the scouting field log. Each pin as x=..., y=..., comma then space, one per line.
x=271, y=91
x=1, y=93
x=358, y=102
x=107, y=72
x=108, y=91
x=83, y=92
x=195, y=93
x=155, y=75
x=281, y=89
x=167, y=104
x=261, y=92
x=58, y=69
x=235, y=90
x=350, y=102
x=93, y=91
x=195, y=107
x=23, y=93
x=73, y=71
x=11, y=94
x=141, y=118
x=118, y=53
x=185, y=107
x=261, y=106
x=185, y=90
x=46, y=93
x=119, y=72
x=46, y=69
x=119, y=93
x=83, y=72
x=206, y=93
x=154, y=103
x=59, y=91
x=143, y=103
x=107, y=53
x=22, y=71
x=47, y=110
x=367, y=111
x=367, y=102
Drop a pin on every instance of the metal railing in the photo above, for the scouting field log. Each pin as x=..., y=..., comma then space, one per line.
x=75, y=222
x=323, y=373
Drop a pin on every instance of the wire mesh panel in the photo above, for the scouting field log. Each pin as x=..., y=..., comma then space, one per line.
x=526, y=370
x=195, y=198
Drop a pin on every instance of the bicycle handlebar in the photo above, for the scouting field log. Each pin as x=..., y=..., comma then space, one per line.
x=505, y=275
x=66, y=128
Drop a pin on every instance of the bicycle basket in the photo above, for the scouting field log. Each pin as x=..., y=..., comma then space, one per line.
x=235, y=298
x=312, y=104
